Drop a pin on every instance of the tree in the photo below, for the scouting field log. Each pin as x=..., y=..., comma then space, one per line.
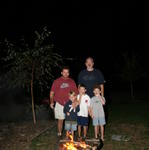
x=32, y=64
x=131, y=70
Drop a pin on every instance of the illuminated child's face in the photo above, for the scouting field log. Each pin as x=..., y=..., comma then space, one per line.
x=97, y=91
x=72, y=97
x=82, y=90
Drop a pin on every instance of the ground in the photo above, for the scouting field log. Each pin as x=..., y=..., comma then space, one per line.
x=19, y=135
x=124, y=117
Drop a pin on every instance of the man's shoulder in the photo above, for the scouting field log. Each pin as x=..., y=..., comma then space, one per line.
x=83, y=71
x=97, y=70
x=58, y=79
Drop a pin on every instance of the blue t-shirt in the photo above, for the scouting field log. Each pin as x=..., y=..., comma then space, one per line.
x=90, y=78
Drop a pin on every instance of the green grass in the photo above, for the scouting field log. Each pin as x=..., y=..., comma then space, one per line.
x=124, y=118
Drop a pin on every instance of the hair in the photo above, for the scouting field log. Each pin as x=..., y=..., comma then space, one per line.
x=82, y=85
x=89, y=58
x=97, y=87
x=72, y=93
x=65, y=67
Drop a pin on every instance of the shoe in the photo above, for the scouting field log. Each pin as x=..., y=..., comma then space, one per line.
x=79, y=139
x=83, y=138
x=59, y=134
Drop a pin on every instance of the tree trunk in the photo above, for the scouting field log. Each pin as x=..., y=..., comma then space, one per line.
x=32, y=95
x=132, y=90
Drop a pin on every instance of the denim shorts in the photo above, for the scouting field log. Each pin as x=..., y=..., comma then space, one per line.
x=99, y=121
x=70, y=125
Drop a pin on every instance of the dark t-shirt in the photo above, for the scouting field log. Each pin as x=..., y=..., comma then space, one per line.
x=90, y=78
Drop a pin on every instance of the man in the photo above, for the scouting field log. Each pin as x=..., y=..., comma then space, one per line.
x=90, y=77
x=60, y=94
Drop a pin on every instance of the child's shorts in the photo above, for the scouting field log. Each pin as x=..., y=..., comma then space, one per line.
x=99, y=121
x=82, y=121
x=70, y=125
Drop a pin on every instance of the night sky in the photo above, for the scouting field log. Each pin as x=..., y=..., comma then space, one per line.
x=82, y=28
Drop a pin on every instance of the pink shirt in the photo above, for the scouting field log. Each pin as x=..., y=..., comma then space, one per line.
x=61, y=88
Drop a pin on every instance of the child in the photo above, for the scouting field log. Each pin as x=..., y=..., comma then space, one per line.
x=71, y=108
x=82, y=118
x=97, y=112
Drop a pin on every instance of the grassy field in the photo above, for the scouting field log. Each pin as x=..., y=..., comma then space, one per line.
x=125, y=117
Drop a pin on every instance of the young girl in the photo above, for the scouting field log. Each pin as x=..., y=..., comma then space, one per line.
x=71, y=108
x=97, y=112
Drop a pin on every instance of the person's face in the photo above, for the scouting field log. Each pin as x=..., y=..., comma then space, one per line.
x=65, y=73
x=82, y=90
x=97, y=91
x=89, y=63
x=72, y=97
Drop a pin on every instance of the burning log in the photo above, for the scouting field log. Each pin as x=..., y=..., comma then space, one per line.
x=70, y=144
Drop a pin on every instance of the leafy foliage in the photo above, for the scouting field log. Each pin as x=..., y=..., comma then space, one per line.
x=39, y=56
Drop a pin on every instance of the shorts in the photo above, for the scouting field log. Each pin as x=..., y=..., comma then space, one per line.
x=99, y=121
x=70, y=125
x=58, y=111
x=82, y=121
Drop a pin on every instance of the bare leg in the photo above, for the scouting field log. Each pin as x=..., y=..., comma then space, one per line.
x=72, y=132
x=96, y=131
x=67, y=133
x=79, y=130
x=60, y=126
x=102, y=132
x=85, y=130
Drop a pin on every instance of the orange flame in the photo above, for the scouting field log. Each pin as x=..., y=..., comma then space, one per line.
x=73, y=145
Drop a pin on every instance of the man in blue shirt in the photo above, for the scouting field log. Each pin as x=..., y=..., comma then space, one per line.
x=90, y=77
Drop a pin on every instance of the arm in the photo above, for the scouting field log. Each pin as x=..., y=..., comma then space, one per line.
x=101, y=81
x=52, y=99
x=90, y=109
x=52, y=93
x=102, y=99
x=65, y=110
x=78, y=108
x=102, y=89
x=79, y=100
x=79, y=78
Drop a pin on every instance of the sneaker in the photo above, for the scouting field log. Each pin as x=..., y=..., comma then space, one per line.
x=59, y=134
x=79, y=139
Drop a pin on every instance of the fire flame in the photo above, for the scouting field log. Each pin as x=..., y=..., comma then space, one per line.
x=71, y=145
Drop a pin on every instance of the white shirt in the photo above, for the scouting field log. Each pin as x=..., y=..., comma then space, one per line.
x=84, y=104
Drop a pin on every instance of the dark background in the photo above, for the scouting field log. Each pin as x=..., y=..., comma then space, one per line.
x=81, y=28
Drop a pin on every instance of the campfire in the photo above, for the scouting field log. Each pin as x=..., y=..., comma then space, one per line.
x=70, y=144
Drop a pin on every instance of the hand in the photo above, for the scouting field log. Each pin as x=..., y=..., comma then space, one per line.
x=68, y=114
x=52, y=105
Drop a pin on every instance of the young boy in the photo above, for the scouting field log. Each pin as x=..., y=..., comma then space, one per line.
x=71, y=108
x=82, y=118
x=97, y=112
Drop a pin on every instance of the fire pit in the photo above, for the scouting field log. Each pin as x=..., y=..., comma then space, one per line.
x=70, y=144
